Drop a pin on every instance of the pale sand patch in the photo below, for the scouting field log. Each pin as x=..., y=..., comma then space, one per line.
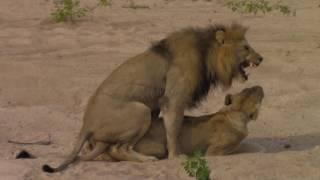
x=48, y=71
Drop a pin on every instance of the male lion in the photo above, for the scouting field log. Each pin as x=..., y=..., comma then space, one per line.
x=216, y=134
x=174, y=74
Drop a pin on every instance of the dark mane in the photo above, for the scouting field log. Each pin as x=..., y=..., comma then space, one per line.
x=205, y=41
x=205, y=38
x=162, y=48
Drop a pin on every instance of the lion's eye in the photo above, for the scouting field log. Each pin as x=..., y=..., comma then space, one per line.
x=246, y=47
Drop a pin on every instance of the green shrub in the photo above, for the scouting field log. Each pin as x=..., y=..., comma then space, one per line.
x=196, y=166
x=69, y=10
x=104, y=3
x=256, y=6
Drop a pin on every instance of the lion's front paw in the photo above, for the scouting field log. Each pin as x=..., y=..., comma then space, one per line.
x=153, y=159
x=150, y=159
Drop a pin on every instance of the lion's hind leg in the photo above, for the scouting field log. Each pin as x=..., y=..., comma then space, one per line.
x=99, y=148
x=125, y=152
x=140, y=157
x=144, y=117
x=151, y=146
x=139, y=124
x=91, y=145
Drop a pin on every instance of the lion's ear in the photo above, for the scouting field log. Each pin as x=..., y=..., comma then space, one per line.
x=220, y=36
x=228, y=100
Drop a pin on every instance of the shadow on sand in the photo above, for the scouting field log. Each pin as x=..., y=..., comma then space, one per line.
x=280, y=144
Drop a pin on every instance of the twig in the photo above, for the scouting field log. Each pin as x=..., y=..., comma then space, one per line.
x=41, y=142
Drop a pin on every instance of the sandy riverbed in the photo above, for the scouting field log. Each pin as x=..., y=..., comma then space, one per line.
x=48, y=71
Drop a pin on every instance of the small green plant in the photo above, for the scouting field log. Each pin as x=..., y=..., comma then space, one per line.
x=284, y=9
x=104, y=3
x=133, y=5
x=68, y=10
x=256, y=6
x=196, y=166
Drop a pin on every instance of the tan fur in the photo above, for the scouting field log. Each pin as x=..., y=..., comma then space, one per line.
x=222, y=63
x=176, y=72
x=216, y=134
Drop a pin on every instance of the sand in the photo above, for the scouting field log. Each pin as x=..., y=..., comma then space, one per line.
x=48, y=71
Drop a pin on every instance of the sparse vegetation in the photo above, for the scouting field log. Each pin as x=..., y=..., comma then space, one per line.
x=196, y=166
x=258, y=6
x=133, y=5
x=69, y=10
x=104, y=3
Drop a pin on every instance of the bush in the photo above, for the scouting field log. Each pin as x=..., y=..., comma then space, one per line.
x=68, y=10
x=196, y=166
x=256, y=6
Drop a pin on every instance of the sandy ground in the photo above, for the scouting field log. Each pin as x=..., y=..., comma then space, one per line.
x=48, y=71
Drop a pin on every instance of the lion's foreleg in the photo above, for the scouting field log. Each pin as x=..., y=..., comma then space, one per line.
x=173, y=118
x=172, y=107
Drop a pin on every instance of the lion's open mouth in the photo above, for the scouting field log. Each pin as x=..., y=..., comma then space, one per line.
x=243, y=66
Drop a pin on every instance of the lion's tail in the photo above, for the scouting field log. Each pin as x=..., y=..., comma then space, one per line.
x=84, y=136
